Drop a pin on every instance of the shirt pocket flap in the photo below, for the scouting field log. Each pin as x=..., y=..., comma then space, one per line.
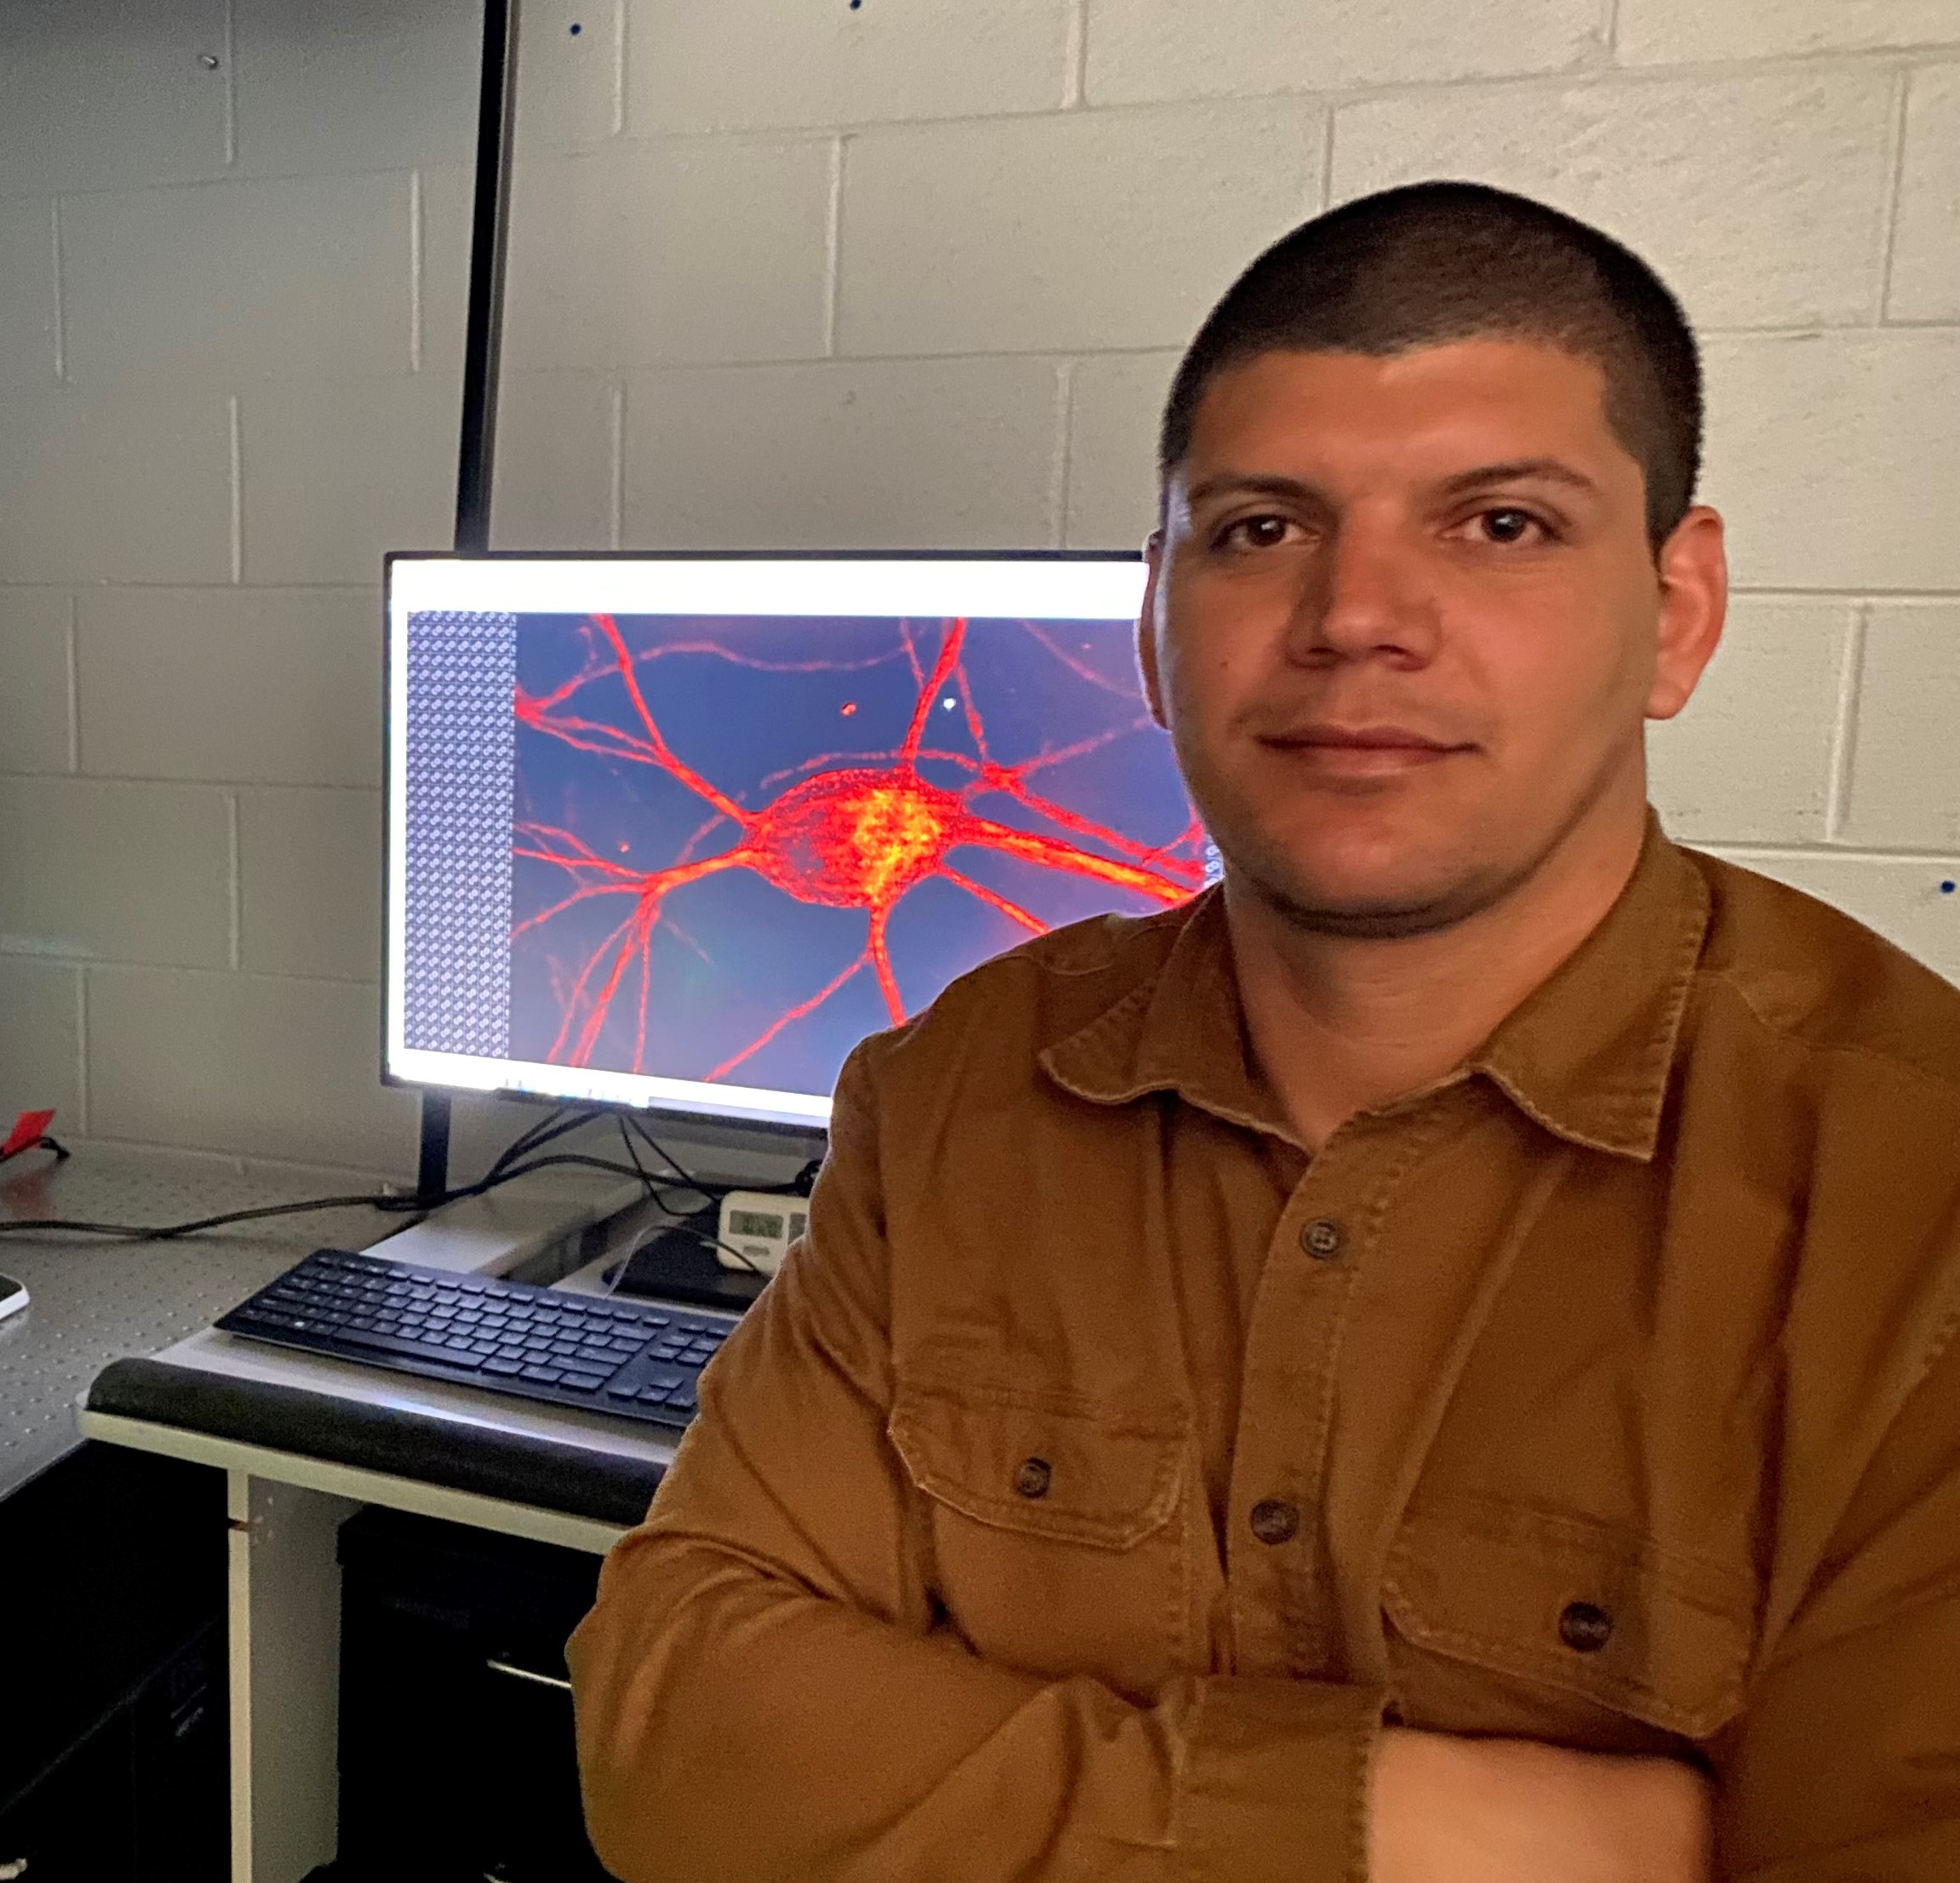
x=1578, y=1605
x=1041, y=1464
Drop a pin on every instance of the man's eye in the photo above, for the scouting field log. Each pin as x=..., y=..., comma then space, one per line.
x=1266, y=532
x=1507, y=525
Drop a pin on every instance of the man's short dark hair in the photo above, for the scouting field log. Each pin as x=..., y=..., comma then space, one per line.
x=1432, y=263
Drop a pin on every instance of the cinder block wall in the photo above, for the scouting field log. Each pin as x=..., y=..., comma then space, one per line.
x=844, y=272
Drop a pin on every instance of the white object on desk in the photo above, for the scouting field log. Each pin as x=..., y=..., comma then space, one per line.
x=760, y=1225
x=492, y=1234
x=12, y=1296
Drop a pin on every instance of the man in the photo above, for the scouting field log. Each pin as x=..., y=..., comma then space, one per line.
x=1436, y=1361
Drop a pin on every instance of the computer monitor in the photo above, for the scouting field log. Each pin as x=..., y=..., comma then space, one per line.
x=676, y=832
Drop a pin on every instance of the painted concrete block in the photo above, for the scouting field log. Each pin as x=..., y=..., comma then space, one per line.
x=1073, y=233
x=1757, y=199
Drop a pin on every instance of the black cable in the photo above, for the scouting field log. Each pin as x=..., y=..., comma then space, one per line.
x=400, y=1205
x=170, y=1232
x=558, y=1124
x=713, y=1192
x=632, y=1151
x=507, y=1169
x=525, y=1139
x=61, y=1151
x=660, y=1192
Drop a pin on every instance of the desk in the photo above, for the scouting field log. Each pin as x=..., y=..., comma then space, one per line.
x=304, y=1441
x=94, y=1301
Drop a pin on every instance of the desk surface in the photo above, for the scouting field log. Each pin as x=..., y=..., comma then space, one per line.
x=101, y=1310
x=94, y=1301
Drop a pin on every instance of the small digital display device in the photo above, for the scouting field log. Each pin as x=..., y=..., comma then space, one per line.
x=677, y=832
x=758, y=1228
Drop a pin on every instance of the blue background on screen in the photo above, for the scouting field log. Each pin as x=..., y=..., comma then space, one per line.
x=755, y=705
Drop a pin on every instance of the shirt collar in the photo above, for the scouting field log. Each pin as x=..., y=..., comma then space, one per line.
x=1179, y=1029
x=1587, y=1054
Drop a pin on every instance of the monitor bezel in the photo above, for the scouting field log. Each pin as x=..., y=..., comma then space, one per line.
x=717, y=1122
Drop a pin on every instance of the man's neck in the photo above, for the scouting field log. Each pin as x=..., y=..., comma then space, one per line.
x=1340, y=1024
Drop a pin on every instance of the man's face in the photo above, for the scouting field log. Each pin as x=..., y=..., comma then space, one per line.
x=1403, y=624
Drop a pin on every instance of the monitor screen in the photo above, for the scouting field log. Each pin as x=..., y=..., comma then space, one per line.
x=677, y=832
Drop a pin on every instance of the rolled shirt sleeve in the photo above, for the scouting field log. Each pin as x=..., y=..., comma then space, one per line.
x=767, y=1688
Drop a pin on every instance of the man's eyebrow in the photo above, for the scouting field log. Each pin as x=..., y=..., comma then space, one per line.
x=1247, y=483
x=1234, y=484
x=1519, y=471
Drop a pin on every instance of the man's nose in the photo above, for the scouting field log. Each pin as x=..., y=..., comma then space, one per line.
x=1368, y=594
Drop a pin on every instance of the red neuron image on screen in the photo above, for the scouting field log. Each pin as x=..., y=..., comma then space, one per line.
x=742, y=843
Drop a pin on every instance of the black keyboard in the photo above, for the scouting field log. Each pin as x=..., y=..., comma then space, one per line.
x=638, y=1359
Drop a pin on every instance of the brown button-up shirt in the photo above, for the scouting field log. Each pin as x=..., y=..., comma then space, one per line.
x=1103, y=1470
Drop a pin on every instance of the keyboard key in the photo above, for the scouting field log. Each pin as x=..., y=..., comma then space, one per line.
x=502, y=1363
x=383, y=1344
x=583, y=1383
x=545, y=1376
x=653, y=1395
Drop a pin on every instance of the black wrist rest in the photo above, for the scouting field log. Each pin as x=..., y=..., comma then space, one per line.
x=513, y=1467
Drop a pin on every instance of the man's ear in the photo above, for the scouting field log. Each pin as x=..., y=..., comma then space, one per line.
x=1693, y=567
x=1147, y=629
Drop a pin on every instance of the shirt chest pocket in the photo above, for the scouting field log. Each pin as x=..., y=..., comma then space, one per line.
x=1586, y=1623
x=1056, y=1528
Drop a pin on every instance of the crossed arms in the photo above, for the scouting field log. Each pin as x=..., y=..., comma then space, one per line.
x=767, y=1690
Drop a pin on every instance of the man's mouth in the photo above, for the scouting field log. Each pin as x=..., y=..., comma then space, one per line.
x=1359, y=752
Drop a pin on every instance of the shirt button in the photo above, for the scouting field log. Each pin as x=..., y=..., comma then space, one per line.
x=1584, y=1628
x=1322, y=1238
x=1031, y=1480
x=1273, y=1520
